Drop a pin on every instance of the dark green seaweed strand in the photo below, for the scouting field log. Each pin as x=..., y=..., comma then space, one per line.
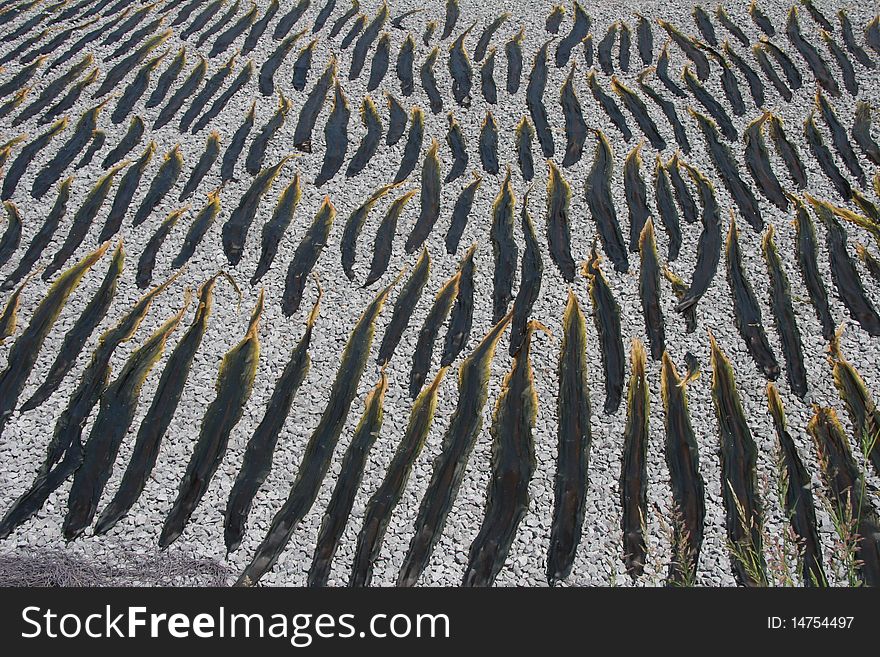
x=235, y=230
x=65, y=450
x=429, y=200
x=574, y=438
x=513, y=464
x=308, y=115
x=666, y=209
x=524, y=136
x=235, y=381
x=9, y=316
x=683, y=462
x=636, y=194
x=382, y=503
x=429, y=81
x=844, y=274
x=650, y=291
x=404, y=66
x=274, y=229
x=75, y=339
x=340, y=22
x=404, y=307
x=800, y=508
x=166, y=177
x=203, y=166
x=421, y=361
x=371, y=140
x=504, y=249
x=462, y=316
x=575, y=125
x=455, y=140
x=350, y=474
x=756, y=87
x=460, y=212
x=728, y=170
x=198, y=227
x=713, y=106
x=24, y=351
x=353, y=226
x=861, y=132
x=132, y=138
x=11, y=238
x=460, y=69
x=725, y=19
x=535, y=101
x=811, y=56
x=321, y=445
x=579, y=29
x=852, y=45
x=746, y=310
x=636, y=107
x=839, y=138
x=606, y=317
x=608, y=105
x=784, y=316
x=487, y=34
x=489, y=145
x=531, y=275
x=559, y=222
x=187, y=89
x=514, y=54
x=222, y=101
x=708, y=245
x=487, y=79
x=160, y=413
x=413, y=145
x=601, y=204
x=335, y=137
x=739, y=487
x=382, y=244
x=82, y=221
x=859, y=404
x=259, y=452
x=253, y=161
x=118, y=405
x=846, y=492
x=633, y=469
x=757, y=161
x=236, y=145
x=365, y=41
x=662, y=70
x=147, y=261
x=806, y=250
x=306, y=256
x=682, y=192
x=128, y=185
x=397, y=119
x=787, y=151
x=451, y=463
x=843, y=63
x=167, y=79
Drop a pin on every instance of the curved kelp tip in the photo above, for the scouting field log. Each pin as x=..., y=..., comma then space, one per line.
x=512, y=463
x=794, y=482
x=859, y=403
x=321, y=445
x=451, y=463
x=233, y=388
x=574, y=437
x=633, y=472
x=744, y=517
x=683, y=462
x=606, y=317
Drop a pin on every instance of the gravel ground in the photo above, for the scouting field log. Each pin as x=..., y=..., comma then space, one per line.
x=598, y=560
